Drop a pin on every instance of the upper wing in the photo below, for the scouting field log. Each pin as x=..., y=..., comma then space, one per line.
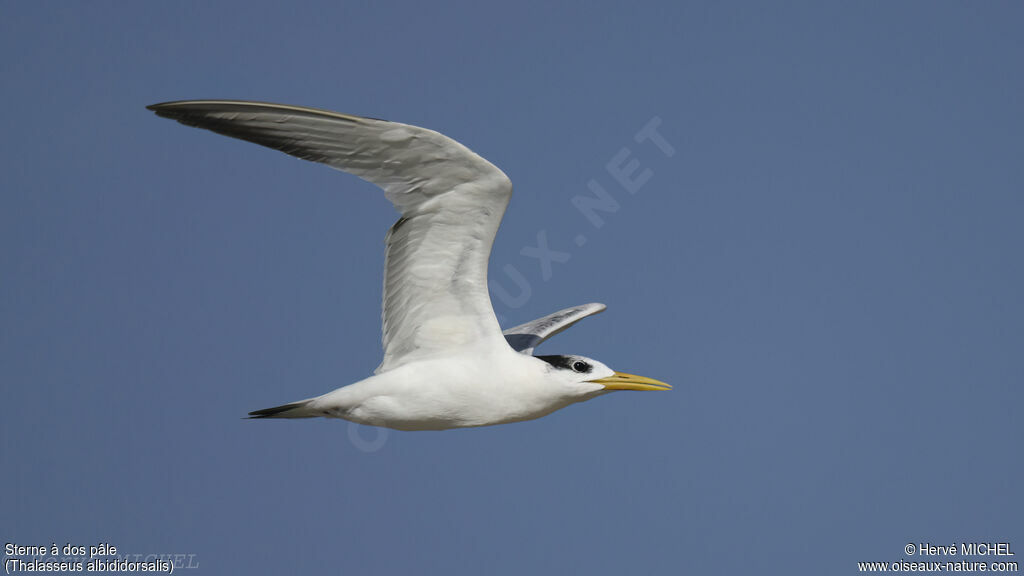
x=526, y=337
x=451, y=201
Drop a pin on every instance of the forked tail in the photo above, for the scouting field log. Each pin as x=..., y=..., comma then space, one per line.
x=300, y=409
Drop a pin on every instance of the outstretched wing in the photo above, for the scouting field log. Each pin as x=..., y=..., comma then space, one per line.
x=451, y=201
x=525, y=337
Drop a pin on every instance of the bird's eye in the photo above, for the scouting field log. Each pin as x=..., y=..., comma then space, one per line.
x=580, y=366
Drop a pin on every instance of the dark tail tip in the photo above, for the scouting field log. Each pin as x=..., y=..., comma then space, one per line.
x=278, y=411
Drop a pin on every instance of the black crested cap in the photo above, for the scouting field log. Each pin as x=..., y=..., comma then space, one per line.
x=567, y=363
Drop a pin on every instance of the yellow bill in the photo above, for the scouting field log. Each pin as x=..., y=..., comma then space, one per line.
x=623, y=381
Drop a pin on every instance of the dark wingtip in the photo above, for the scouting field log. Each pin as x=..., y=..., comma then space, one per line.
x=160, y=106
x=163, y=109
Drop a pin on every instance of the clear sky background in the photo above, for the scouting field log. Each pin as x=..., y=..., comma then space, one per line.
x=828, y=269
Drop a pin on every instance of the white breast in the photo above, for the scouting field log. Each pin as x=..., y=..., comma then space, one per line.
x=457, y=391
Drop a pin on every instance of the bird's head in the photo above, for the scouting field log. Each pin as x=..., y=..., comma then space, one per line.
x=593, y=376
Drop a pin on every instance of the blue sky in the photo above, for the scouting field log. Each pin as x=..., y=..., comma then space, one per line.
x=827, y=269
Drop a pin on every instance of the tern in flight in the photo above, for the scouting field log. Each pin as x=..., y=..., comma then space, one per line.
x=447, y=363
